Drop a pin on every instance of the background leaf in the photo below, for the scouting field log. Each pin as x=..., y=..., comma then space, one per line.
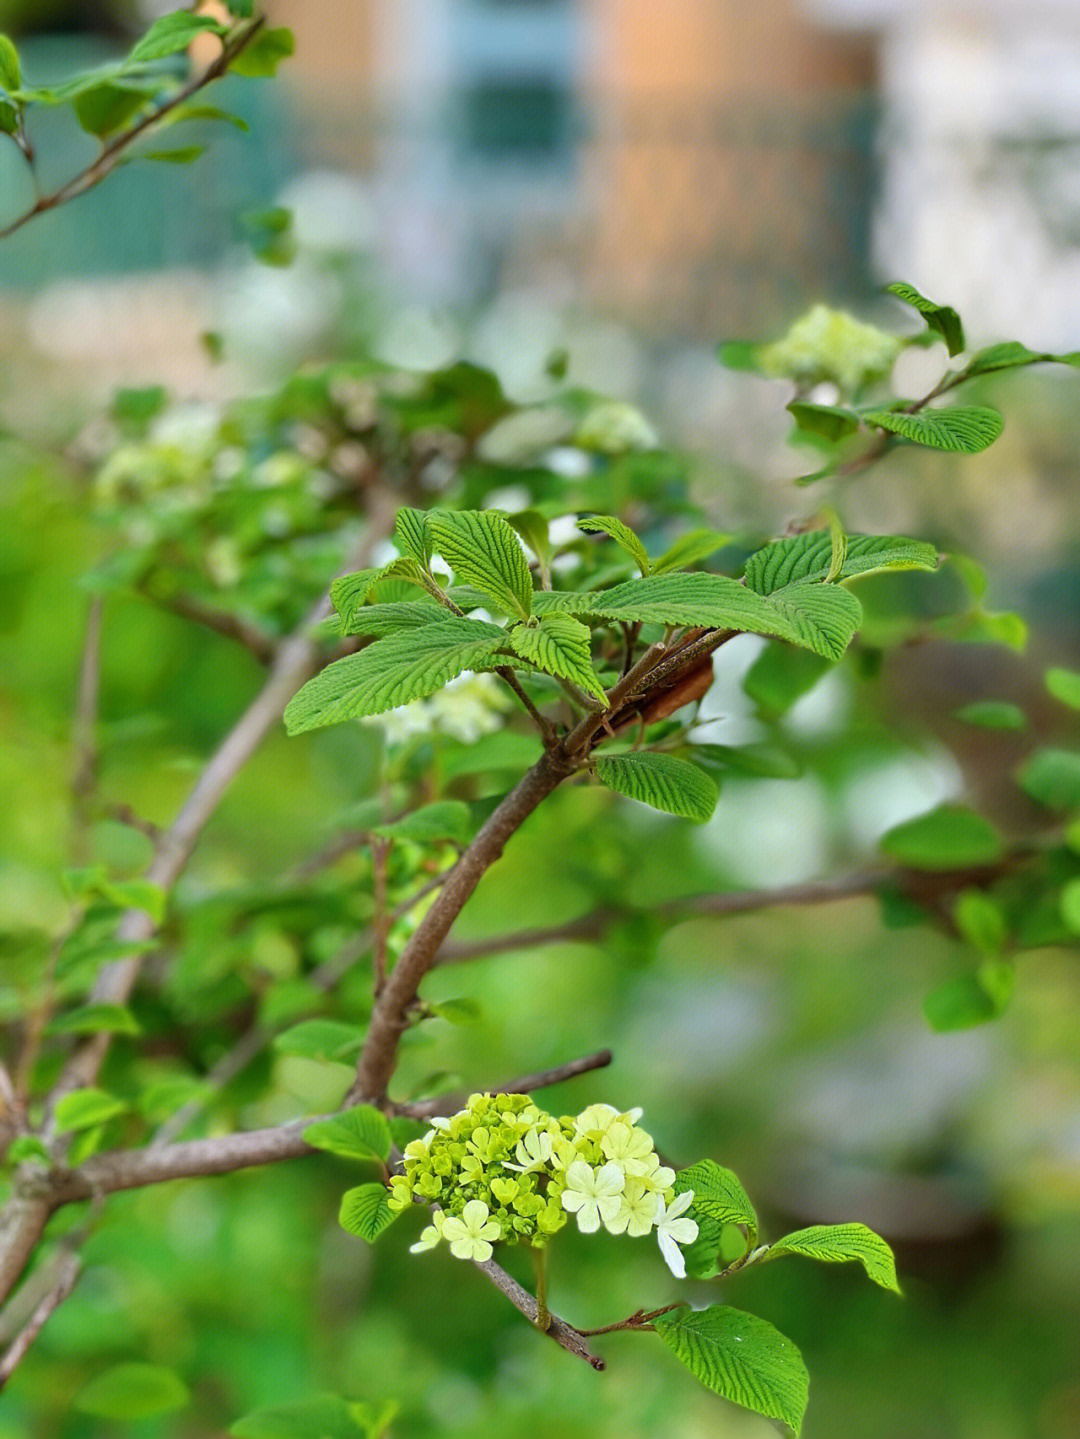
x=132, y=1391
x=949, y=837
x=962, y=429
x=623, y=536
x=941, y=318
x=838, y=1243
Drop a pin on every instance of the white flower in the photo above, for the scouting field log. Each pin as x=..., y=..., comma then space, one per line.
x=671, y=1231
x=430, y=1236
x=533, y=1151
x=630, y=1147
x=598, y=1118
x=469, y=1236
x=638, y=1211
x=593, y=1194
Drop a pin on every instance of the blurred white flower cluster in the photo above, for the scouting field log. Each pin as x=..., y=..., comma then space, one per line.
x=466, y=709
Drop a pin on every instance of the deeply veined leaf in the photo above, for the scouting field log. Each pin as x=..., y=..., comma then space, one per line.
x=961, y=429
x=349, y=593
x=132, y=1391
x=719, y=1195
x=412, y=536
x=445, y=819
x=838, y=1243
x=95, y=1019
x=360, y=1133
x=365, y=1211
x=661, y=781
x=942, y=318
x=821, y=618
x=689, y=549
x=261, y=58
x=623, y=536
x=830, y=422
x=86, y=1108
x=326, y=1039
x=808, y=556
x=740, y=1357
x=377, y=621
x=949, y=837
x=171, y=34
x=396, y=670
x=482, y=549
x=1052, y=777
x=559, y=645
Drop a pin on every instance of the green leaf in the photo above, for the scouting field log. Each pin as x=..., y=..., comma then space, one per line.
x=623, y=536
x=780, y=675
x=768, y=761
x=949, y=837
x=1052, y=776
x=379, y=620
x=349, y=593
x=971, y=999
x=1064, y=685
x=559, y=645
x=1069, y=905
x=412, y=536
x=980, y=920
x=534, y=529
x=689, y=549
x=941, y=318
x=10, y=70
x=818, y=617
x=831, y=422
x=482, y=549
x=360, y=1133
x=171, y=34
x=446, y=819
x=740, y=355
x=992, y=714
x=193, y=111
x=961, y=429
x=719, y=1195
x=365, y=1211
x=177, y=155
x=326, y=1039
x=105, y=109
x=132, y=1391
x=270, y=235
x=808, y=557
x=87, y=1107
x=95, y=1019
x=325, y=1416
x=493, y=753
x=838, y=1243
x=261, y=58
x=456, y=1011
x=396, y=670
x=981, y=627
x=242, y=9
x=661, y=781
x=27, y=1146
x=740, y=1357
x=1006, y=356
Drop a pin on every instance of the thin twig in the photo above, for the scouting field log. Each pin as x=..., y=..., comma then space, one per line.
x=230, y=627
x=547, y=730
x=112, y=153
x=84, y=741
x=524, y=1084
x=381, y=921
x=67, y=1273
x=563, y=1334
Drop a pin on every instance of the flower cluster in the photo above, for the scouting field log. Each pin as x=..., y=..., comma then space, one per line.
x=503, y=1169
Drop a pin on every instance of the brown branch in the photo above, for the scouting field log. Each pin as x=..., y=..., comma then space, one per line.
x=381, y=922
x=230, y=627
x=67, y=1273
x=425, y=1108
x=84, y=729
x=112, y=153
x=22, y=1222
x=563, y=1334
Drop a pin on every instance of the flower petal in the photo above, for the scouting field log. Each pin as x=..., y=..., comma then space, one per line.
x=673, y=1255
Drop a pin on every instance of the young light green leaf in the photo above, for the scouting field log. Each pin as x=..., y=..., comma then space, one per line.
x=104, y=109
x=1006, y=356
x=456, y=1011
x=177, y=155
x=719, y=1195
x=412, y=536
x=992, y=714
x=961, y=429
x=396, y=670
x=86, y=1108
x=559, y=645
x=1052, y=777
x=193, y=111
x=365, y=1211
x=10, y=70
x=171, y=34
x=326, y=1039
x=261, y=58
x=661, y=781
x=980, y=920
x=949, y=837
x=689, y=549
x=271, y=235
x=808, y=556
x=325, y=1416
x=95, y=1019
x=445, y=819
x=941, y=318
x=27, y=1146
x=623, y=536
x=534, y=529
x=132, y=1391
x=349, y=593
x=818, y=617
x=1064, y=685
x=740, y=1357
x=1069, y=905
x=360, y=1133
x=482, y=549
x=830, y=422
x=767, y=761
x=970, y=999
x=838, y=1243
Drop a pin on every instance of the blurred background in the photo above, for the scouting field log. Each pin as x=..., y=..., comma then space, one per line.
x=630, y=182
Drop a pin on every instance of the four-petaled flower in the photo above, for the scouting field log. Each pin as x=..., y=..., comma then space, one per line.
x=533, y=1152
x=430, y=1236
x=470, y=1235
x=637, y=1212
x=671, y=1231
x=593, y=1194
x=630, y=1147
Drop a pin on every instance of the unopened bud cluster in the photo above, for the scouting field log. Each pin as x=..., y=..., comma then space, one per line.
x=503, y=1169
